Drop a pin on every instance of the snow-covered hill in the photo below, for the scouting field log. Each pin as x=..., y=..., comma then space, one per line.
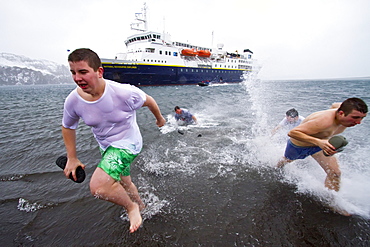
x=21, y=70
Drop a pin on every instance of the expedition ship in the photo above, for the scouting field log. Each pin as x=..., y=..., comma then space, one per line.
x=152, y=59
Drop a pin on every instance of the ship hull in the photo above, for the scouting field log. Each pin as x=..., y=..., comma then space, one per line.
x=157, y=75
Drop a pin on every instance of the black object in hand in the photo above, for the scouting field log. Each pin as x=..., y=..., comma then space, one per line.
x=339, y=142
x=80, y=173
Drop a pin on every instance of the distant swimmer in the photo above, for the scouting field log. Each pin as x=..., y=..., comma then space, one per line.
x=291, y=120
x=312, y=137
x=184, y=116
x=109, y=108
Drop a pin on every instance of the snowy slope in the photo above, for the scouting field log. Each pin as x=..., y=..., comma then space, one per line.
x=16, y=69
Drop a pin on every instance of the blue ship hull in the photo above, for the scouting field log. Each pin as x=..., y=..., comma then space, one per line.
x=157, y=75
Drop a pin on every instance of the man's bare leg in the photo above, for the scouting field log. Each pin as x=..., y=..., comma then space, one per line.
x=106, y=188
x=132, y=191
x=331, y=167
x=332, y=181
x=282, y=162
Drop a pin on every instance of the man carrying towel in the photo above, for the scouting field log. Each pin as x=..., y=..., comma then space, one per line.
x=313, y=135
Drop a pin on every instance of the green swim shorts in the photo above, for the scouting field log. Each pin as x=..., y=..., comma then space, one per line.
x=116, y=162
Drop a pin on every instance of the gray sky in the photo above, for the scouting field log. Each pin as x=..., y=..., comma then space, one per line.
x=292, y=39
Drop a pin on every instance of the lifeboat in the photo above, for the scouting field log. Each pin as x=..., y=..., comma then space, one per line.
x=204, y=53
x=189, y=52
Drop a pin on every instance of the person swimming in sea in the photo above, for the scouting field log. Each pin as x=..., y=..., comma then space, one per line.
x=183, y=116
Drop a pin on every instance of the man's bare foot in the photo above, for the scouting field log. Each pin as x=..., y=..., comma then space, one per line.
x=339, y=211
x=343, y=212
x=135, y=218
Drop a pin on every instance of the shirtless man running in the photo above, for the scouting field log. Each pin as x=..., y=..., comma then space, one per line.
x=313, y=135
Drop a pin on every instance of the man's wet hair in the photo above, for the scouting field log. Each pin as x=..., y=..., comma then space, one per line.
x=292, y=113
x=177, y=108
x=87, y=55
x=351, y=104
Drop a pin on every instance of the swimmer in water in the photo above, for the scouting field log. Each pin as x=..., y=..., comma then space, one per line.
x=292, y=119
x=185, y=116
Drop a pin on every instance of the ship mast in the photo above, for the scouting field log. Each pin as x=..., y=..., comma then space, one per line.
x=141, y=18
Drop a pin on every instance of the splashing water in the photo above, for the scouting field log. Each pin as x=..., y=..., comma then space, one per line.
x=25, y=205
x=153, y=205
x=218, y=189
x=267, y=99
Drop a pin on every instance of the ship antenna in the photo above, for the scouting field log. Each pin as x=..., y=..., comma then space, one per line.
x=212, y=39
x=164, y=24
x=141, y=18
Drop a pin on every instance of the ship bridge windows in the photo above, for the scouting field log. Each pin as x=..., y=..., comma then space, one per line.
x=149, y=37
x=150, y=50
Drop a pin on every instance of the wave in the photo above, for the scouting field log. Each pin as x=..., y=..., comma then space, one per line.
x=28, y=177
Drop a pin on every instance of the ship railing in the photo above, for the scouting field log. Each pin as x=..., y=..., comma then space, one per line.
x=116, y=61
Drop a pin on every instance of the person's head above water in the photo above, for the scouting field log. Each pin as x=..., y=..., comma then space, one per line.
x=292, y=113
x=177, y=110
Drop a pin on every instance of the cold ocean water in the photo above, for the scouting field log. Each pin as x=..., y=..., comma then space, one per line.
x=215, y=185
